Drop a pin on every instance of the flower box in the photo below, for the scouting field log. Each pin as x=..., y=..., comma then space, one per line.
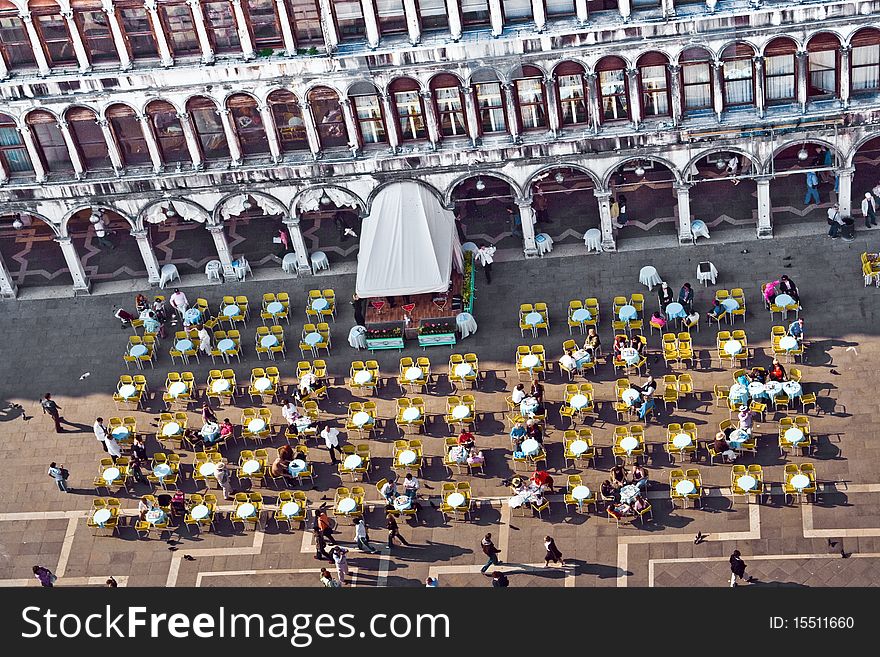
x=437, y=339
x=437, y=332
x=388, y=335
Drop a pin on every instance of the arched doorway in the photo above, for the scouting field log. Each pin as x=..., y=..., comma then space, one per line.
x=106, y=248
x=486, y=211
x=644, y=188
x=177, y=232
x=330, y=221
x=867, y=173
x=251, y=222
x=564, y=203
x=791, y=167
x=725, y=194
x=29, y=250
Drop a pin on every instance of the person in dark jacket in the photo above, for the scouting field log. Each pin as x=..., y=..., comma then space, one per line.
x=553, y=553
x=738, y=569
x=499, y=579
x=787, y=286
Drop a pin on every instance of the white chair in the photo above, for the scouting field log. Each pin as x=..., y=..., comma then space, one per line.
x=357, y=337
x=593, y=240
x=319, y=261
x=706, y=272
x=168, y=274
x=544, y=243
x=288, y=265
x=649, y=277
x=213, y=271
x=469, y=246
x=699, y=229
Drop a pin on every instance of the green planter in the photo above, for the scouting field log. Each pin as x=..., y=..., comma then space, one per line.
x=437, y=339
x=374, y=344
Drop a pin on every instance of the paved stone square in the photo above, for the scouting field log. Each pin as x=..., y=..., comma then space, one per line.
x=48, y=345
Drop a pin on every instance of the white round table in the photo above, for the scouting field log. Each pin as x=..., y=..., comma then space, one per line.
x=226, y=345
x=455, y=500
x=530, y=361
x=788, y=343
x=346, y=505
x=296, y=466
x=578, y=401
x=256, y=425
x=516, y=502
x=756, y=389
x=463, y=369
x=675, y=311
x=362, y=376
x=402, y=502
x=730, y=304
x=783, y=300
x=231, y=310
x=319, y=304
x=630, y=356
x=533, y=318
x=466, y=324
x=199, y=512
x=627, y=313
x=792, y=389
x=120, y=433
x=162, y=470
x=360, y=418
x=263, y=384
x=530, y=447
x=799, y=481
x=629, y=493
x=245, y=510
x=352, y=461
x=407, y=457
x=413, y=374
x=737, y=438
x=208, y=469
x=738, y=393
x=138, y=350
x=747, y=482
x=101, y=516
x=268, y=341
x=685, y=487
x=192, y=316
x=630, y=395
x=580, y=493
x=772, y=388
x=732, y=347
x=220, y=385
x=460, y=412
x=177, y=388
x=154, y=516
x=649, y=277
x=411, y=413
x=250, y=467
x=581, y=315
x=170, y=429
x=681, y=440
x=593, y=240
x=183, y=345
x=578, y=447
x=628, y=443
x=289, y=509
x=794, y=435
x=127, y=391
x=312, y=339
x=275, y=307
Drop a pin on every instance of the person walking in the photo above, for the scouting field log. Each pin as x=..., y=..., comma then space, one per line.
x=324, y=525
x=738, y=569
x=869, y=210
x=614, y=209
x=45, y=576
x=490, y=551
x=60, y=475
x=327, y=580
x=179, y=302
x=331, y=441
x=393, y=531
x=499, y=580
x=431, y=583
x=360, y=307
x=224, y=480
x=362, y=538
x=733, y=168
x=812, y=195
x=341, y=561
x=320, y=546
x=111, y=583
x=484, y=256
x=101, y=234
x=54, y=410
x=553, y=553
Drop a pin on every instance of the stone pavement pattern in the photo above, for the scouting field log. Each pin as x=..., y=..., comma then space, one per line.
x=48, y=345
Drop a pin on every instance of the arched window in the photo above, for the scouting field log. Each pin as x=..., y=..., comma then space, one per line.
x=15, y=45
x=306, y=22
x=613, y=93
x=14, y=158
x=222, y=28
x=328, y=117
x=779, y=71
x=89, y=138
x=823, y=51
x=54, y=35
x=696, y=79
x=517, y=11
x=208, y=127
x=432, y=15
x=349, y=16
x=739, y=75
x=264, y=23
x=559, y=8
x=169, y=132
x=448, y=101
x=475, y=12
x=865, y=61
x=179, y=28
x=137, y=28
x=94, y=26
x=129, y=135
x=50, y=141
x=288, y=121
x=391, y=16
x=572, y=93
x=248, y=125
x=410, y=111
x=530, y=100
x=654, y=84
x=368, y=113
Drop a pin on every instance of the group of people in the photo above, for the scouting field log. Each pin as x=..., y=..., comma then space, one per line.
x=721, y=444
x=610, y=491
x=522, y=431
x=573, y=359
x=465, y=450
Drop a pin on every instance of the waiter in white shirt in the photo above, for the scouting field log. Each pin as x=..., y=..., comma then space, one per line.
x=101, y=432
x=869, y=210
x=484, y=256
x=179, y=302
x=331, y=440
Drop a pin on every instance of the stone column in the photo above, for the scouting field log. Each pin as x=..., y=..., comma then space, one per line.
x=231, y=137
x=34, y=152
x=72, y=150
x=328, y=26
x=635, y=98
x=271, y=132
x=759, y=86
x=112, y=147
x=431, y=120
x=81, y=284
x=683, y=195
x=350, y=126
x=453, y=11
x=668, y=7
x=244, y=35
x=201, y=31
x=311, y=131
x=580, y=7
x=286, y=30
x=391, y=123
x=527, y=216
x=4, y=72
x=625, y=9
x=152, y=144
x=496, y=17
x=473, y=116
x=605, y=223
x=371, y=23
x=76, y=39
x=159, y=31
x=592, y=81
x=8, y=288
x=509, y=90
x=149, y=256
x=116, y=31
x=844, y=190
x=223, y=252
x=299, y=245
x=845, y=80
x=192, y=142
x=39, y=55
x=675, y=92
x=801, y=78
x=413, y=26
x=765, y=223
x=554, y=121
x=718, y=87
x=539, y=14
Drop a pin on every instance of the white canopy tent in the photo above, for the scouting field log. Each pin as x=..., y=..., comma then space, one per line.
x=408, y=244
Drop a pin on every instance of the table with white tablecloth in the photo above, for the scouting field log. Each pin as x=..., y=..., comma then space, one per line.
x=357, y=337
x=649, y=277
x=593, y=240
x=466, y=324
x=544, y=243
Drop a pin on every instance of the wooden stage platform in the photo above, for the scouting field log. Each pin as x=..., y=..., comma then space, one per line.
x=424, y=306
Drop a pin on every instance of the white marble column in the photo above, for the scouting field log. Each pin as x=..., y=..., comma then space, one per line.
x=8, y=288
x=116, y=31
x=527, y=216
x=299, y=245
x=583, y=14
x=539, y=13
x=453, y=11
x=244, y=35
x=718, y=87
x=595, y=108
x=112, y=147
x=271, y=132
x=668, y=7
x=286, y=30
x=72, y=150
x=231, y=137
x=635, y=98
x=413, y=25
x=311, y=130
x=201, y=31
x=328, y=26
x=496, y=17
x=165, y=56
x=625, y=9
x=223, y=252
x=152, y=144
x=554, y=121
x=150, y=262
x=801, y=78
x=473, y=116
x=350, y=126
x=391, y=122
x=39, y=55
x=192, y=142
x=509, y=90
x=675, y=92
x=845, y=79
x=431, y=120
x=683, y=195
x=765, y=223
x=79, y=47
x=81, y=284
x=34, y=152
x=758, y=72
x=371, y=23
x=844, y=190
x=605, y=223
